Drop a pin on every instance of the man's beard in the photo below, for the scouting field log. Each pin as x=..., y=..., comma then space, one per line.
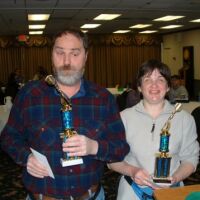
x=68, y=76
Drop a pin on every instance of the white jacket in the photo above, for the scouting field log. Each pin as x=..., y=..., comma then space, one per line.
x=144, y=144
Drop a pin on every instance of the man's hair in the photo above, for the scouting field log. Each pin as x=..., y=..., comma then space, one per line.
x=77, y=33
x=149, y=66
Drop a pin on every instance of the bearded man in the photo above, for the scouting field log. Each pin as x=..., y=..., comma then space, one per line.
x=36, y=122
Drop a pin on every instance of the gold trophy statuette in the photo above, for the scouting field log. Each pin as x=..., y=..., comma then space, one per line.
x=163, y=159
x=66, y=111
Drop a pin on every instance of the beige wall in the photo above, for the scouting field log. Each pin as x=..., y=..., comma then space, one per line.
x=172, y=50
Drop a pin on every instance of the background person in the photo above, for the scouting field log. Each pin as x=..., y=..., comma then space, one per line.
x=177, y=90
x=143, y=123
x=2, y=93
x=35, y=121
x=40, y=74
x=12, y=87
x=128, y=98
x=133, y=96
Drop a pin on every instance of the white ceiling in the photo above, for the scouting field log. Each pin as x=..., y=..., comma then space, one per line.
x=63, y=13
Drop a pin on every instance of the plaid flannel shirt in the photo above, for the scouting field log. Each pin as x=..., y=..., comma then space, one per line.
x=35, y=121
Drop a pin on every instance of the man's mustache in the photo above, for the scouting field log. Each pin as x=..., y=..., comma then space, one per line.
x=64, y=67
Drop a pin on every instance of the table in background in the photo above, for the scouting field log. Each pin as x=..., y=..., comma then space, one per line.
x=178, y=193
x=4, y=114
x=190, y=106
x=115, y=91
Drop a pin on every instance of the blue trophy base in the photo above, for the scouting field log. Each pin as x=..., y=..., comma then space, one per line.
x=71, y=162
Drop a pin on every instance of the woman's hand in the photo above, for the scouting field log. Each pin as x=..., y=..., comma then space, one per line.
x=142, y=177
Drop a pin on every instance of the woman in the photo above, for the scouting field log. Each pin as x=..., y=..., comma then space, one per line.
x=143, y=123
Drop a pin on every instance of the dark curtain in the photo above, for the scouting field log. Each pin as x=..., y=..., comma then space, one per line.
x=112, y=59
x=111, y=65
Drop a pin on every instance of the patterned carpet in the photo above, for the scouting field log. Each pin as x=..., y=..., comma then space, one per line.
x=11, y=187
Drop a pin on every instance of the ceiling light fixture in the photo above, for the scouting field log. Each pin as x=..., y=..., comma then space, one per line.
x=90, y=26
x=148, y=31
x=171, y=26
x=38, y=17
x=84, y=31
x=140, y=26
x=37, y=26
x=35, y=32
x=106, y=16
x=168, y=18
x=195, y=20
x=122, y=31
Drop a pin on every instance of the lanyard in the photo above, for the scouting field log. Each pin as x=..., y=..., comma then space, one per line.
x=140, y=192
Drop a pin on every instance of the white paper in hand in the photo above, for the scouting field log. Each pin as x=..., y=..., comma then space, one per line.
x=42, y=158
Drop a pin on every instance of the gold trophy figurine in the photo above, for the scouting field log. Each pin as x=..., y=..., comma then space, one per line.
x=66, y=111
x=163, y=159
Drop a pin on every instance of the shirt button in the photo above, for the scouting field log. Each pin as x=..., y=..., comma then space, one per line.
x=71, y=170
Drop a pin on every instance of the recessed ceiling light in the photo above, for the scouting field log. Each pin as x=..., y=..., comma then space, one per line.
x=122, y=31
x=90, y=26
x=171, y=26
x=84, y=31
x=106, y=16
x=195, y=20
x=35, y=32
x=148, y=31
x=38, y=17
x=168, y=18
x=37, y=26
x=140, y=26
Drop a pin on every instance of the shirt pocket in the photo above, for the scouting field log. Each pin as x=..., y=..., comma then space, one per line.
x=43, y=133
x=93, y=129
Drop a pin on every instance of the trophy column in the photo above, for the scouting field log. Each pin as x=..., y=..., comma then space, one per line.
x=162, y=162
x=163, y=159
x=66, y=111
x=68, y=132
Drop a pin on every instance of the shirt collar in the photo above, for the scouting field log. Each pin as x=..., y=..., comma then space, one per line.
x=81, y=91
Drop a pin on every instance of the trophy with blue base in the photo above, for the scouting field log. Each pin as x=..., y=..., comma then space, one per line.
x=68, y=130
x=163, y=159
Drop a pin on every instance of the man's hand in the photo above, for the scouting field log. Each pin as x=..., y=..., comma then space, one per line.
x=80, y=145
x=36, y=168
